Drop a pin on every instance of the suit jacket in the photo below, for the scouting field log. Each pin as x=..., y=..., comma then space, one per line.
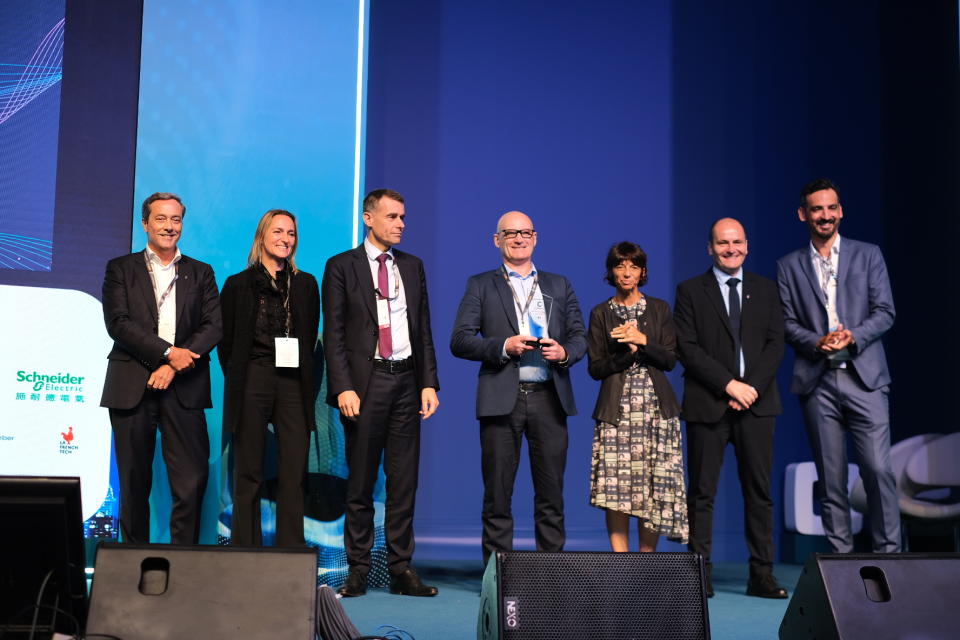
x=350, y=328
x=864, y=306
x=608, y=360
x=706, y=345
x=487, y=317
x=130, y=313
x=239, y=301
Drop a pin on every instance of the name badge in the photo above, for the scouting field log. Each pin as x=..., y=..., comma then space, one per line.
x=287, y=351
x=383, y=313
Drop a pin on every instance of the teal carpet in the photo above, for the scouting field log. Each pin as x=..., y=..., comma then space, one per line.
x=452, y=615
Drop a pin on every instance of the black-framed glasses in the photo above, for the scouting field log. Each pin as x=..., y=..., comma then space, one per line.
x=513, y=233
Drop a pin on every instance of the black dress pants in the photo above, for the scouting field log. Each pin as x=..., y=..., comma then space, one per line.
x=389, y=427
x=271, y=395
x=539, y=416
x=752, y=439
x=186, y=448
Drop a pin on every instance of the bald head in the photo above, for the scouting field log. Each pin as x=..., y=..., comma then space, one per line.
x=517, y=250
x=724, y=224
x=514, y=220
x=728, y=245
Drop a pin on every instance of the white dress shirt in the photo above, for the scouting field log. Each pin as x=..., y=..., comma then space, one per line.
x=160, y=276
x=722, y=278
x=399, y=328
x=827, y=270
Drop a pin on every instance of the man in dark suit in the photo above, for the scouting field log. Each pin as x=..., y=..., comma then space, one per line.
x=382, y=376
x=837, y=304
x=524, y=327
x=730, y=341
x=162, y=310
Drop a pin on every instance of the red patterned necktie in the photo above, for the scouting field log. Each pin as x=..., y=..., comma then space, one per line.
x=383, y=284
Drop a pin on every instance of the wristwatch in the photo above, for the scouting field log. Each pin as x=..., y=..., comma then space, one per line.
x=166, y=354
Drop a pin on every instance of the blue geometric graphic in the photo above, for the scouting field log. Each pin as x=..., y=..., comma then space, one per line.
x=20, y=84
x=21, y=252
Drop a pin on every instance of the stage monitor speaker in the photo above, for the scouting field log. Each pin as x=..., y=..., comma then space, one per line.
x=529, y=595
x=853, y=596
x=167, y=592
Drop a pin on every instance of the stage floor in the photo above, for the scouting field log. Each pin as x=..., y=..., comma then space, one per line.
x=452, y=615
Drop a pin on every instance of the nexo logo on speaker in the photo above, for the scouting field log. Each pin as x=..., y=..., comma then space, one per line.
x=511, y=610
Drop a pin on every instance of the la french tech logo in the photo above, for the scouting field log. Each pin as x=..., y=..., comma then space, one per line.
x=67, y=445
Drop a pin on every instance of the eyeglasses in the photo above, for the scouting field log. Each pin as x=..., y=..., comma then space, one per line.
x=513, y=233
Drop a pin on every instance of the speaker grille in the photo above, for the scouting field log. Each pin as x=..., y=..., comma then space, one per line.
x=601, y=595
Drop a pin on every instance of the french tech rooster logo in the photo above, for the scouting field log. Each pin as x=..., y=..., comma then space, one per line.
x=66, y=442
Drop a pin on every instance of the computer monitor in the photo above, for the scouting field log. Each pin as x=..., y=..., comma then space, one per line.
x=41, y=557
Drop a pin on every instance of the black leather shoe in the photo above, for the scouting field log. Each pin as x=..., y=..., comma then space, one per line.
x=355, y=586
x=765, y=586
x=408, y=584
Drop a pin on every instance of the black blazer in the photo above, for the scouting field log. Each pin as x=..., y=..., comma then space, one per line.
x=705, y=343
x=239, y=303
x=130, y=314
x=487, y=317
x=608, y=360
x=350, y=327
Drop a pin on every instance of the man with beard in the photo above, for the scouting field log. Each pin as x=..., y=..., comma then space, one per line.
x=730, y=339
x=837, y=305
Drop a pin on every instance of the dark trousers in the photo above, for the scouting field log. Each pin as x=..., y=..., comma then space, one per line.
x=752, y=439
x=540, y=417
x=389, y=427
x=841, y=404
x=271, y=395
x=185, y=447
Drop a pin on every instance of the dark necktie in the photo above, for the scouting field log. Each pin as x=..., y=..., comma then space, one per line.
x=733, y=301
x=383, y=285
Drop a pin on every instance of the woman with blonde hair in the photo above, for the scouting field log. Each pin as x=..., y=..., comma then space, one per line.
x=271, y=314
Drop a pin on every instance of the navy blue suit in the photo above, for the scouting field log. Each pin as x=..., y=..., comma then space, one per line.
x=854, y=398
x=486, y=317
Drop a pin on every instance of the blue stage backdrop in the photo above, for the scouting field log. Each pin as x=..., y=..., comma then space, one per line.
x=558, y=110
x=647, y=121
x=246, y=107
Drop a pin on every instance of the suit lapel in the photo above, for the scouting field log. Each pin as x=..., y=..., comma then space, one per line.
x=550, y=302
x=749, y=304
x=806, y=265
x=184, y=282
x=843, y=259
x=506, y=298
x=361, y=271
x=410, y=281
x=712, y=291
x=144, y=284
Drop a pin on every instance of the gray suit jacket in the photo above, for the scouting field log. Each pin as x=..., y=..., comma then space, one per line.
x=864, y=305
x=487, y=317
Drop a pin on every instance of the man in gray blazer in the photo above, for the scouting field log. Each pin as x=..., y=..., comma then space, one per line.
x=524, y=327
x=837, y=305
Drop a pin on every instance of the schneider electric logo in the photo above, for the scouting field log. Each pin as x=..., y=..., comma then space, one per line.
x=51, y=381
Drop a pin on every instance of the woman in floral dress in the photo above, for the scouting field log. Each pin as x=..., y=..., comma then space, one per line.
x=637, y=467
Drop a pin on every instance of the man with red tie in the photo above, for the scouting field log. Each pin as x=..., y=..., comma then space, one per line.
x=382, y=376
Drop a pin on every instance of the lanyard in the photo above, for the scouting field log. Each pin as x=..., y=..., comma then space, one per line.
x=153, y=279
x=396, y=284
x=526, y=307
